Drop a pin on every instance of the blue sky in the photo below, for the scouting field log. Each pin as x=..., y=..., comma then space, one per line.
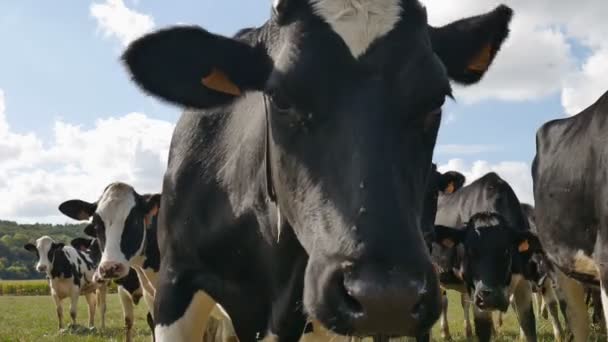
x=69, y=114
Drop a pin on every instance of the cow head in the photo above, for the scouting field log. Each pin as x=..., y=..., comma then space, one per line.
x=438, y=183
x=352, y=96
x=120, y=219
x=490, y=248
x=45, y=249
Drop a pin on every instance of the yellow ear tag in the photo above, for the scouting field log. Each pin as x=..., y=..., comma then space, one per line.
x=219, y=81
x=451, y=188
x=447, y=243
x=481, y=62
x=524, y=246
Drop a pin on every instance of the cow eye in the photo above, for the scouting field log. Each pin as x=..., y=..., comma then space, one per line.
x=279, y=102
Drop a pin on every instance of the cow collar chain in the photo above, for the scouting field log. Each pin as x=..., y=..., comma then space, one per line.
x=270, y=191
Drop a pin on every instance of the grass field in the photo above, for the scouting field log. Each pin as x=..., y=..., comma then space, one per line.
x=33, y=319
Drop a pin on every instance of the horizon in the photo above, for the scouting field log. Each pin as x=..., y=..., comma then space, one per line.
x=71, y=121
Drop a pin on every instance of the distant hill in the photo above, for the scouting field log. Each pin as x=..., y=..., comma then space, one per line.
x=17, y=263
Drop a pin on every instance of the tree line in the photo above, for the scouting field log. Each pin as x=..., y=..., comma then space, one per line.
x=15, y=262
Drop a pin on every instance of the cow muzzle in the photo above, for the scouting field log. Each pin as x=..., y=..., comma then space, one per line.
x=110, y=270
x=365, y=302
x=489, y=298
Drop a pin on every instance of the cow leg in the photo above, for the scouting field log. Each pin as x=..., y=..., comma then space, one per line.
x=578, y=317
x=150, y=321
x=445, y=328
x=465, y=301
x=180, y=311
x=547, y=294
x=483, y=324
x=127, y=309
x=101, y=301
x=74, y=304
x=92, y=304
x=524, y=309
x=59, y=308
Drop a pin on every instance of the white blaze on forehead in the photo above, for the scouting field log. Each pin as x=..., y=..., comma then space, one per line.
x=113, y=208
x=43, y=245
x=359, y=22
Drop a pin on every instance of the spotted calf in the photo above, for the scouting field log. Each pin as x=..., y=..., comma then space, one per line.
x=70, y=273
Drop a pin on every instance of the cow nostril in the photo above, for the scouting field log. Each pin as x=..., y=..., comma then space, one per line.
x=351, y=303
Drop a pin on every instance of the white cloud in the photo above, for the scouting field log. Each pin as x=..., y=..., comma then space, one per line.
x=35, y=177
x=583, y=88
x=516, y=173
x=537, y=59
x=455, y=149
x=115, y=19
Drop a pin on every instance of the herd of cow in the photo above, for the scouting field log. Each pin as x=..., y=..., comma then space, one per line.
x=300, y=200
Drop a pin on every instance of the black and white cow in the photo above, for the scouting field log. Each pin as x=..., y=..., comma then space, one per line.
x=129, y=289
x=571, y=199
x=125, y=224
x=490, y=193
x=330, y=112
x=70, y=273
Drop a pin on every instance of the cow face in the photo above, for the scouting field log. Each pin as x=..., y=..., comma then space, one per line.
x=44, y=249
x=119, y=224
x=348, y=96
x=490, y=248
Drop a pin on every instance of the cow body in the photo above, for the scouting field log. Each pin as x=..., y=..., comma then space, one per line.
x=569, y=173
x=298, y=176
x=489, y=193
x=70, y=274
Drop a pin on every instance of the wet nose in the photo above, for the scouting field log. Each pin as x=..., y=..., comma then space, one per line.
x=393, y=304
x=110, y=270
x=41, y=268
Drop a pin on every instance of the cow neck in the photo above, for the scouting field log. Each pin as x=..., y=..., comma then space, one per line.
x=270, y=192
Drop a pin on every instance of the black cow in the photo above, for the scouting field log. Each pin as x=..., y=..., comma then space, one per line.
x=490, y=193
x=70, y=274
x=330, y=112
x=492, y=269
x=570, y=177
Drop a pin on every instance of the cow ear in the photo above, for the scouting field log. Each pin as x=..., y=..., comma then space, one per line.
x=78, y=209
x=30, y=247
x=191, y=67
x=449, y=237
x=468, y=47
x=80, y=243
x=451, y=182
x=90, y=230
